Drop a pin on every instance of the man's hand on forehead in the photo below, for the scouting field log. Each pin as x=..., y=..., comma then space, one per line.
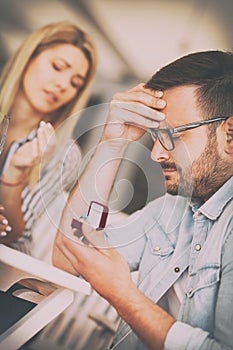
x=141, y=94
x=133, y=112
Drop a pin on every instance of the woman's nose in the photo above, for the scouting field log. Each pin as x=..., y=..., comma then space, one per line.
x=158, y=153
x=62, y=83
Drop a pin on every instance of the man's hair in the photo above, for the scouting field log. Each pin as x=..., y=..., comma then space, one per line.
x=211, y=71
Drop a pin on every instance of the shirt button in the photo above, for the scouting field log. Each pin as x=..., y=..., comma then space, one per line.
x=197, y=247
x=156, y=249
x=177, y=269
x=190, y=291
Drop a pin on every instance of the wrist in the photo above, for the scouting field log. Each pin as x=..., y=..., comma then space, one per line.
x=14, y=175
x=11, y=184
x=127, y=303
x=113, y=146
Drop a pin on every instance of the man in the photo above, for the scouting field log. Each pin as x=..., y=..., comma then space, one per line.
x=181, y=243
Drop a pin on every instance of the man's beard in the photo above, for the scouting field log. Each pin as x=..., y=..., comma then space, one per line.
x=204, y=177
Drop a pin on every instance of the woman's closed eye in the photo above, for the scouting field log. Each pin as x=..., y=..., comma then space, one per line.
x=77, y=82
x=58, y=66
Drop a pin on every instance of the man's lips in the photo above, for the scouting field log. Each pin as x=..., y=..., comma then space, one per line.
x=168, y=168
x=168, y=172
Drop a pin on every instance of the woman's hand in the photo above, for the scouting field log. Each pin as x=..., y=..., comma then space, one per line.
x=16, y=175
x=4, y=226
x=31, y=153
x=132, y=112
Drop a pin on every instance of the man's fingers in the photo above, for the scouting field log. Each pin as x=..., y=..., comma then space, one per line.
x=95, y=238
x=147, y=96
x=142, y=87
x=137, y=114
x=67, y=257
x=141, y=97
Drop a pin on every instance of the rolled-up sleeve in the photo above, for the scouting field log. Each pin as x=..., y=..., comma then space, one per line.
x=181, y=336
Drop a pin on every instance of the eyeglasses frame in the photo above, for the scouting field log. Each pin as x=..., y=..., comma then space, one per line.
x=170, y=131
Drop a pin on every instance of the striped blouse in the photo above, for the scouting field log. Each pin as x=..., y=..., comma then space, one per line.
x=57, y=177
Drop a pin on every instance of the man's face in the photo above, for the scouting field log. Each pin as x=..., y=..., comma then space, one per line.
x=194, y=168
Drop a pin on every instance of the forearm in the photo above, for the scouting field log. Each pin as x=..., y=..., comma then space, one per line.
x=130, y=114
x=95, y=183
x=147, y=319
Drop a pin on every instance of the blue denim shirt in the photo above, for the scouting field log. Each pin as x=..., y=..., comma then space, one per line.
x=164, y=239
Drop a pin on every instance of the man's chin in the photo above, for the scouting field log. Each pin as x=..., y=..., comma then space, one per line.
x=178, y=189
x=172, y=191
x=172, y=185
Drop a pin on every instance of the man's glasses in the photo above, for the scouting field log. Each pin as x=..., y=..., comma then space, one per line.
x=3, y=130
x=165, y=136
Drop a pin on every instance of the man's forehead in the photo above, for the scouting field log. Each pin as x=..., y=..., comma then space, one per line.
x=181, y=105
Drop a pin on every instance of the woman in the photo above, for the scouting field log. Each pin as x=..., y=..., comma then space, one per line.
x=45, y=81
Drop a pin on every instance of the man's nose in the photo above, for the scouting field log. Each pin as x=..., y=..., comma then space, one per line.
x=158, y=153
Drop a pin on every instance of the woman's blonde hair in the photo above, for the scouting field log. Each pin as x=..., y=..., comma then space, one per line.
x=48, y=36
x=41, y=39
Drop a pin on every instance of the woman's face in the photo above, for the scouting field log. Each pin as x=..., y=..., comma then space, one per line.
x=54, y=77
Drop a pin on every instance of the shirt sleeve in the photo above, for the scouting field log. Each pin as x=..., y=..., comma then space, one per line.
x=182, y=336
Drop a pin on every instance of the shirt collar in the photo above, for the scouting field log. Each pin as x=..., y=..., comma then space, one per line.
x=29, y=137
x=215, y=205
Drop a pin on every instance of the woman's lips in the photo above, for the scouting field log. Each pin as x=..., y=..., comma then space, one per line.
x=51, y=97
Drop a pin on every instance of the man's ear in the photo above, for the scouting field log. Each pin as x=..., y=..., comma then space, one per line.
x=228, y=135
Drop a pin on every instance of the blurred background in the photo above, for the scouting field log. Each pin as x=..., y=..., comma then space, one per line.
x=134, y=38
